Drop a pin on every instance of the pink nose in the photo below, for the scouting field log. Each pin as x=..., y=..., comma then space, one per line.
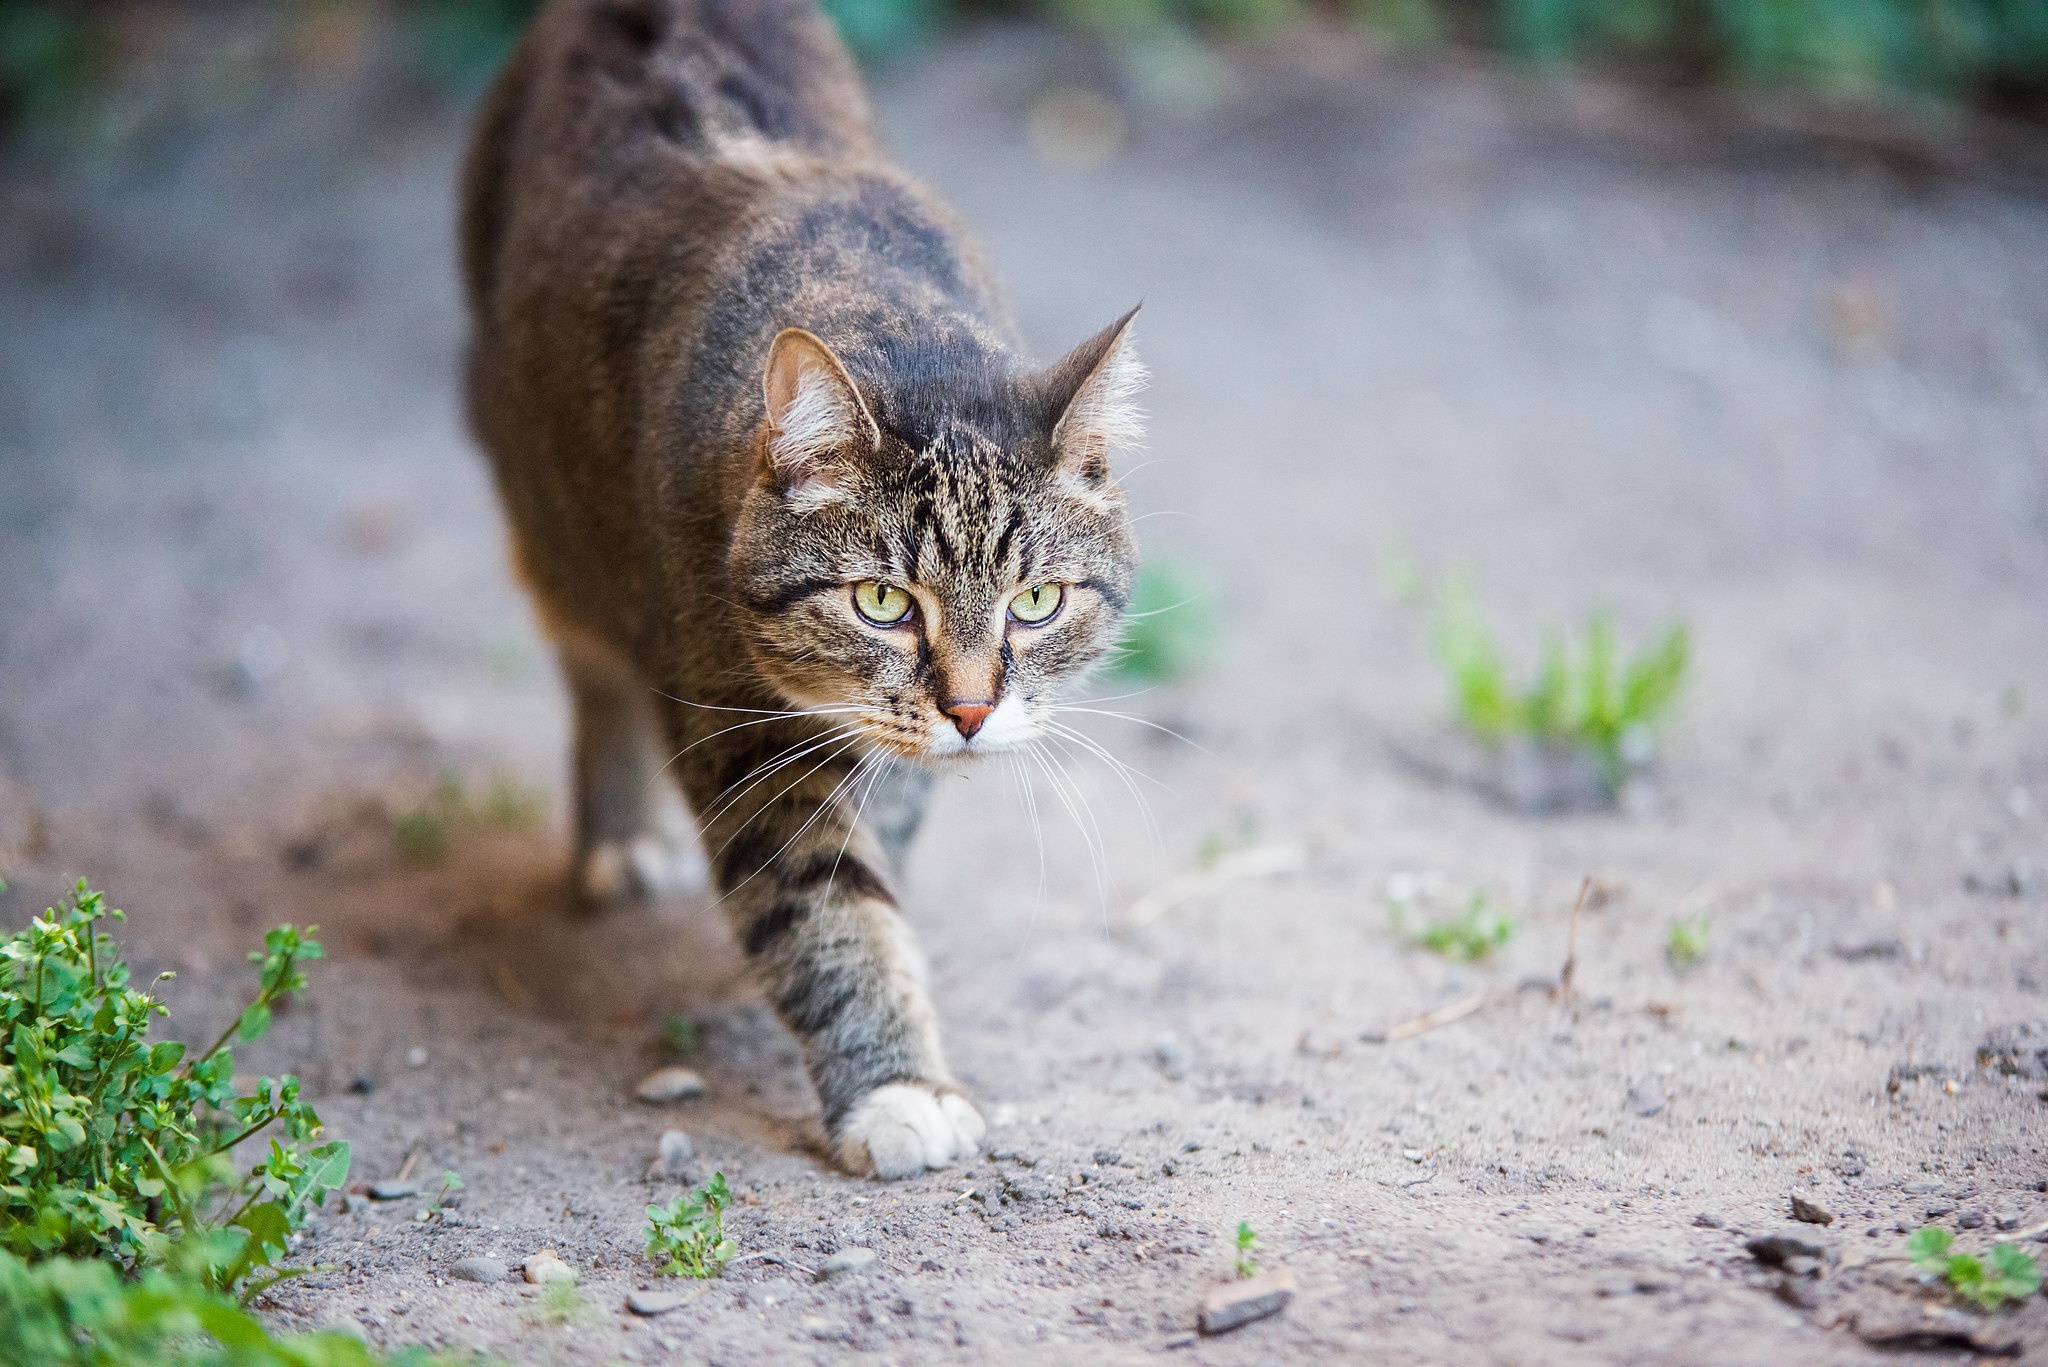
x=968, y=716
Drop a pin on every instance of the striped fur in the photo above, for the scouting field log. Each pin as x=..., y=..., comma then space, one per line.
x=728, y=363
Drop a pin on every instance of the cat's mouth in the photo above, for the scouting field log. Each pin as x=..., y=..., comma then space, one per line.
x=969, y=731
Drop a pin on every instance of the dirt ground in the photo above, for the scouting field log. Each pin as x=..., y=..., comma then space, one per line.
x=253, y=602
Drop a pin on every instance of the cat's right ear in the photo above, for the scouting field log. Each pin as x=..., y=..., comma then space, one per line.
x=816, y=416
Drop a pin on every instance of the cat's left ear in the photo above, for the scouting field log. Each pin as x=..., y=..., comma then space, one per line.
x=1094, y=391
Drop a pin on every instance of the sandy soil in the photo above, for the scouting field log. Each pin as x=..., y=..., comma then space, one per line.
x=253, y=601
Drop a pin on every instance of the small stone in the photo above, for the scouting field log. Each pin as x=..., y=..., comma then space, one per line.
x=547, y=1266
x=673, y=1154
x=1970, y=1219
x=362, y=1085
x=1180, y=1341
x=1807, y=1212
x=1937, y=1209
x=1773, y=1250
x=1864, y=951
x=1109, y=1156
x=1236, y=1304
x=849, y=1262
x=391, y=1189
x=1615, y=1288
x=1645, y=1099
x=1706, y=1221
x=1172, y=1057
x=415, y=1058
x=664, y=1086
x=652, y=1303
x=1803, y=1267
x=480, y=1270
x=1800, y=1293
x=354, y=1204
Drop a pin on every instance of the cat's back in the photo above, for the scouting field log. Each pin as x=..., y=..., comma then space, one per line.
x=657, y=119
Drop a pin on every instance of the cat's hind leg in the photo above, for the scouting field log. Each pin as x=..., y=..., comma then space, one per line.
x=633, y=836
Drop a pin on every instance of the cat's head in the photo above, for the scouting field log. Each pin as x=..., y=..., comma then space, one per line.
x=936, y=547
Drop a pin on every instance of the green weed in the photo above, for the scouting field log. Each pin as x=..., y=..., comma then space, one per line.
x=118, y=1148
x=1169, y=631
x=426, y=832
x=686, y=1237
x=1687, y=943
x=81, y=1312
x=561, y=1303
x=1246, y=1244
x=1470, y=936
x=679, y=1033
x=2004, y=1274
x=1585, y=697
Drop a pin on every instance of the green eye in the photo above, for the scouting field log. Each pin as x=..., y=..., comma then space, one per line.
x=883, y=604
x=1037, y=603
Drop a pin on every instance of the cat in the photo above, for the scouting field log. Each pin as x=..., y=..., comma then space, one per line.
x=802, y=525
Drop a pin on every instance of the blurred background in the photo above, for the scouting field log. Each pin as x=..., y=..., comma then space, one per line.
x=1589, y=437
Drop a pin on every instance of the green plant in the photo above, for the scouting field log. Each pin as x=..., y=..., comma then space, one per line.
x=1587, y=698
x=2004, y=1274
x=425, y=832
x=1687, y=944
x=1168, y=630
x=1470, y=936
x=451, y=1182
x=679, y=1033
x=118, y=1148
x=1246, y=1244
x=561, y=1303
x=81, y=1312
x=686, y=1237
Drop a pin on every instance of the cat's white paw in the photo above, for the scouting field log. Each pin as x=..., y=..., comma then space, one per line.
x=903, y=1128
x=645, y=866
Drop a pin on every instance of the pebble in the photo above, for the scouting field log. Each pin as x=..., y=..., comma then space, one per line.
x=673, y=1154
x=1645, y=1099
x=481, y=1270
x=1921, y=1186
x=651, y=1303
x=666, y=1085
x=416, y=1058
x=391, y=1189
x=1799, y=1292
x=1109, y=1156
x=1706, y=1221
x=1970, y=1219
x=1236, y=1304
x=1775, y=1250
x=1937, y=1209
x=849, y=1262
x=547, y=1266
x=1807, y=1212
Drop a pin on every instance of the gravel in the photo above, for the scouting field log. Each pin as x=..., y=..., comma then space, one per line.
x=666, y=1086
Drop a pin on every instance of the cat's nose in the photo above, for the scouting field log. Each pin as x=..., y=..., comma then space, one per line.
x=967, y=716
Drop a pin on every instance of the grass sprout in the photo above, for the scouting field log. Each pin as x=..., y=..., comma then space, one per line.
x=686, y=1237
x=1246, y=1244
x=1469, y=936
x=2004, y=1274
x=426, y=832
x=1687, y=943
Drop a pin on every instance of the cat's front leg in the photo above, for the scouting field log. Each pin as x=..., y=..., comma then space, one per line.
x=808, y=899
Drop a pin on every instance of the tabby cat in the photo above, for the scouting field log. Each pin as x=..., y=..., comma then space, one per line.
x=802, y=524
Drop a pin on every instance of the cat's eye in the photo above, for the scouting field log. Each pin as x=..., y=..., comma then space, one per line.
x=882, y=604
x=1037, y=604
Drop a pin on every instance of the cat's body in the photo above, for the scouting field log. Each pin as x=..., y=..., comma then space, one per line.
x=799, y=520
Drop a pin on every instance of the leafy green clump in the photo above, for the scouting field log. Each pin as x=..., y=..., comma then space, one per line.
x=425, y=832
x=679, y=1033
x=1470, y=936
x=117, y=1148
x=1687, y=944
x=1587, y=698
x=686, y=1237
x=1246, y=1244
x=81, y=1312
x=1168, y=631
x=2004, y=1274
